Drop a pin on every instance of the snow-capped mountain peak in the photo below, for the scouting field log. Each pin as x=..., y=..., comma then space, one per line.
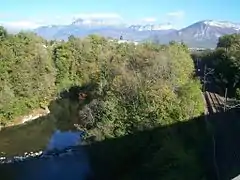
x=151, y=27
x=222, y=24
x=81, y=21
x=203, y=33
x=94, y=22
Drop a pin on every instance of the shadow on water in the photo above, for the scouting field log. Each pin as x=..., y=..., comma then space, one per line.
x=72, y=165
x=55, y=135
x=35, y=135
x=183, y=150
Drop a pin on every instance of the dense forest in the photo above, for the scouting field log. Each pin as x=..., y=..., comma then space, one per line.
x=140, y=83
x=125, y=88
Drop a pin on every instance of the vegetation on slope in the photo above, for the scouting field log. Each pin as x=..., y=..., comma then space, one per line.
x=128, y=89
x=155, y=79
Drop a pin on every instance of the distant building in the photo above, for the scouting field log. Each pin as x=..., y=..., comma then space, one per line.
x=126, y=41
x=200, y=49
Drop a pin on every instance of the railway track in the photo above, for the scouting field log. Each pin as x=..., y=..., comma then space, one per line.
x=213, y=106
x=214, y=102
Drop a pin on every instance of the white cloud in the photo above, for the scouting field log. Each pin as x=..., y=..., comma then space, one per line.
x=176, y=14
x=98, y=16
x=20, y=24
x=56, y=19
x=149, y=19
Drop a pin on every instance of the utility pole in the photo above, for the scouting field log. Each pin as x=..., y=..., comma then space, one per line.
x=225, y=99
x=204, y=77
x=205, y=73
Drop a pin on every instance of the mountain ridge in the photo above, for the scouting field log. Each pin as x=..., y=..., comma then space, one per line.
x=204, y=33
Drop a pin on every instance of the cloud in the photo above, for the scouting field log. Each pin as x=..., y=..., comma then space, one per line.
x=54, y=20
x=149, y=19
x=32, y=23
x=176, y=14
x=20, y=24
x=98, y=16
x=108, y=18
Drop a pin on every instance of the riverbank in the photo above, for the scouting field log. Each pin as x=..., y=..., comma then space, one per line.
x=32, y=132
x=33, y=115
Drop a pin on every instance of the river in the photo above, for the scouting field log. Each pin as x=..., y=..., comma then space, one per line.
x=46, y=148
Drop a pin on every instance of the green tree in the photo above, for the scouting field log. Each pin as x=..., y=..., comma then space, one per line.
x=225, y=62
x=229, y=42
x=3, y=33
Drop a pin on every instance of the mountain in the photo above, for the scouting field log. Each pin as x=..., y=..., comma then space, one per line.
x=83, y=27
x=200, y=34
x=152, y=27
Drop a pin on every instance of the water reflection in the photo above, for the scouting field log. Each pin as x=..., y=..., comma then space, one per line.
x=57, y=162
x=52, y=134
x=62, y=140
x=69, y=165
x=54, y=130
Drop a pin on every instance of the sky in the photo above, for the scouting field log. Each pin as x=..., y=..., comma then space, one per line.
x=180, y=13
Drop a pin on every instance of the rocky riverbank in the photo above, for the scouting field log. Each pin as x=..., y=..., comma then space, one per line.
x=36, y=115
x=38, y=154
x=27, y=155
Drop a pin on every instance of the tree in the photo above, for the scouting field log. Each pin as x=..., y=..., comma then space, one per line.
x=71, y=38
x=229, y=42
x=238, y=93
x=3, y=33
x=225, y=61
x=172, y=42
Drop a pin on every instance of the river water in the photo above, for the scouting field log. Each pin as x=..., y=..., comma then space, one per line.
x=54, y=139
